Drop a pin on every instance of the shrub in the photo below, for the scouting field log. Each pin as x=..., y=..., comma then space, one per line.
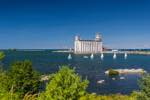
x=113, y=72
x=2, y=55
x=24, y=78
x=20, y=79
x=144, y=84
x=65, y=85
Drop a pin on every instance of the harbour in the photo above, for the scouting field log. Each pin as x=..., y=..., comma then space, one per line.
x=47, y=62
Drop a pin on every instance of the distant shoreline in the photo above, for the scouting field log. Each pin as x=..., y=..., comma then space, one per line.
x=111, y=52
x=120, y=51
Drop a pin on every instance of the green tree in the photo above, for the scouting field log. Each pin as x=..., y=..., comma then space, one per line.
x=4, y=81
x=65, y=85
x=9, y=96
x=23, y=78
x=5, y=91
x=2, y=55
x=144, y=84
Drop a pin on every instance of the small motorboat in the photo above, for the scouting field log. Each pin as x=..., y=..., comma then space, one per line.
x=122, y=78
x=85, y=57
x=113, y=78
x=100, y=81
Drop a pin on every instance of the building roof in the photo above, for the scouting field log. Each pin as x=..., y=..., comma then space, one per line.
x=90, y=40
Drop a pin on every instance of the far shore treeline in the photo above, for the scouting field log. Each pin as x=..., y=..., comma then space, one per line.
x=22, y=82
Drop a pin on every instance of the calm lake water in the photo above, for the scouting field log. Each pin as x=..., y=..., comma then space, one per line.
x=49, y=62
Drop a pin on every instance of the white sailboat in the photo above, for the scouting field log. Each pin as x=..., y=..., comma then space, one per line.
x=125, y=55
x=69, y=56
x=102, y=55
x=92, y=56
x=114, y=56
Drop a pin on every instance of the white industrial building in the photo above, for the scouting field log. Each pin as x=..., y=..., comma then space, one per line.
x=88, y=46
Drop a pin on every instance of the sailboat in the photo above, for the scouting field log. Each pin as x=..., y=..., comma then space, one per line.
x=102, y=55
x=125, y=55
x=92, y=56
x=114, y=56
x=69, y=56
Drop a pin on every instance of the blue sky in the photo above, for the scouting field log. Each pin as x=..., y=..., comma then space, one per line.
x=40, y=24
